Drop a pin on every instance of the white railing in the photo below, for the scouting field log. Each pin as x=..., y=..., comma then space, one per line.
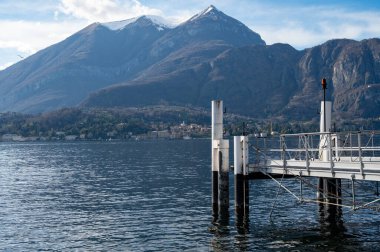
x=351, y=152
x=357, y=146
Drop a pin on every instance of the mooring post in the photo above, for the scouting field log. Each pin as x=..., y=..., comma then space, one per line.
x=246, y=173
x=223, y=181
x=238, y=176
x=219, y=162
x=241, y=175
x=241, y=183
x=216, y=135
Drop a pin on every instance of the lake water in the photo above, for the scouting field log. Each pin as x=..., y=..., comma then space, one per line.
x=151, y=196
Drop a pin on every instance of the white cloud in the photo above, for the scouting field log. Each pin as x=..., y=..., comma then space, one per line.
x=5, y=65
x=105, y=10
x=56, y=15
x=304, y=27
x=28, y=37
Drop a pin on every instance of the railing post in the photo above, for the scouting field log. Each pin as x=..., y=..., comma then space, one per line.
x=283, y=153
x=337, y=145
x=373, y=150
x=307, y=154
x=360, y=153
x=301, y=187
x=330, y=155
x=351, y=146
x=353, y=192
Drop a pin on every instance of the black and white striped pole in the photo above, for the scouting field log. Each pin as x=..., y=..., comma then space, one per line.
x=241, y=179
x=219, y=161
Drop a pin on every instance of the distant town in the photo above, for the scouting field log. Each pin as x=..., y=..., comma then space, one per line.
x=147, y=123
x=181, y=131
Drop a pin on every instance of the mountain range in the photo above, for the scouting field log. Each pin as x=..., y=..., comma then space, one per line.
x=145, y=61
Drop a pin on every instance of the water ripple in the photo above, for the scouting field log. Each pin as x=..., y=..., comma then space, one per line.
x=147, y=196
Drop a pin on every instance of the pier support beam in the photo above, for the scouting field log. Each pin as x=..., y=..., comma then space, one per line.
x=339, y=191
x=320, y=189
x=331, y=187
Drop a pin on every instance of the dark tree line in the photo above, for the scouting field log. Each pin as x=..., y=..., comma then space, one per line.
x=98, y=123
x=125, y=122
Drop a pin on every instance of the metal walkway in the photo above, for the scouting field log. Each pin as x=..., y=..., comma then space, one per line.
x=348, y=155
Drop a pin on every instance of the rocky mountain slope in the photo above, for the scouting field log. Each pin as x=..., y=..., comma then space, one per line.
x=352, y=71
x=266, y=81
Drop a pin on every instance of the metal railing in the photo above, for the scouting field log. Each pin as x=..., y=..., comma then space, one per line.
x=359, y=148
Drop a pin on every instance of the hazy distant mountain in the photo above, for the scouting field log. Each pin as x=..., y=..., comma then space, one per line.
x=145, y=61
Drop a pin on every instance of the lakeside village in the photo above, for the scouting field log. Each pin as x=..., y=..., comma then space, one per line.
x=131, y=124
x=181, y=131
x=73, y=124
x=150, y=123
x=161, y=131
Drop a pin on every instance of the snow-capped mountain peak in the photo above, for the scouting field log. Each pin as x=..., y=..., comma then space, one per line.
x=159, y=22
x=211, y=10
x=119, y=25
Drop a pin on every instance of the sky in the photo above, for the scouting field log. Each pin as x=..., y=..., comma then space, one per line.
x=27, y=26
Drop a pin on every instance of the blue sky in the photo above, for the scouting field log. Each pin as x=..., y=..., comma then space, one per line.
x=27, y=26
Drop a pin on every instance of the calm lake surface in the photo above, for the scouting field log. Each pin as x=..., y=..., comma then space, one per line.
x=151, y=196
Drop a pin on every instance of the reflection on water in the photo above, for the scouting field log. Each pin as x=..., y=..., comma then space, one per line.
x=153, y=196
x=295, y=226
x=242, y=222
x=331, y=220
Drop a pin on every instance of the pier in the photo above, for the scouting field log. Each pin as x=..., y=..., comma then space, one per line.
x=327, y=156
